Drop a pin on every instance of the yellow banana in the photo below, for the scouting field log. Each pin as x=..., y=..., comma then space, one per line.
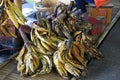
x=72, y=70
x=5, y=32
x=31, y=66
x=11, y=32
x=41, y=29
x=32, y=35
x=47, y=41
x=70, y=53
x=44, y=66
x=60, y=52
x=47, y=47
x=21, y=67
x=77, y=54
x=41, y=48
x=21, y=54
x=19, y=16
x=60, y=66
x=11, y=15
x=5, y=22
x=74, y=63
x=49, y=63
x=35, y=61
x=81, y=47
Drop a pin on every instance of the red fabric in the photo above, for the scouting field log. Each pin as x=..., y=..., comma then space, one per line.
x=97, y=25
x=99, y=3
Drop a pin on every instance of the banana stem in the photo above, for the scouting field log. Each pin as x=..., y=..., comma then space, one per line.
x=23, y=35
x=25, y=39
x=38, y=17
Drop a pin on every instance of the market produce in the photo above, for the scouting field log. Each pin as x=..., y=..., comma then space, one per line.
x=6, y=30
x=33, y=63
x=10, y=12
x=14, y=13
x=61, y=39
x=30, y=60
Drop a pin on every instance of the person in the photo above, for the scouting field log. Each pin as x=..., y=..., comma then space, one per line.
x=81, y=4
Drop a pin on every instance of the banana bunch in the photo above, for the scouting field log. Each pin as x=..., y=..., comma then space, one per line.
x=46, y=65
x=71, y=63
x=63, y=44
x=32, y=63
x=44, y=39
x=14, y=13
x=87, y=43
x=28, y=61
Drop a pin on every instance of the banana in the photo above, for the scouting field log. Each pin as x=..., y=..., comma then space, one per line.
x=19, y=19
x=41, y=48
x=20, y=67
x=5, y=22
x=74, y=63
x=10, y=31
x=21, y=54
x=36, y=61
x=31, y=64
x=56, y=39
x=95, y=53
x=77, y=53
x=47, y=41
x=19, y=16
x=62, y=47
x=72, y=70
x=40, y=29
x=44, y=66
x=4, y=31
x=69, y=54
x=32, y=35
x=49, y=63
x=81, y=47
x=2, y=2
x=47, y=47
x=60, y=66
x=58, y=31
x=27, y=68
x=11, y=15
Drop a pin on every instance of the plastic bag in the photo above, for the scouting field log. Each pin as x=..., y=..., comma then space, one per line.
x=99, y=3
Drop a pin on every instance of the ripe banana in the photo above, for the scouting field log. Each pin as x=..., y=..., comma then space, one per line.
x=77, y=54
x=19, y=16
x=5, y=22
x=72, y=70
x=60, y=66
x=4, y=31
x=74, y=62
x=11, y=15
x=44, y=66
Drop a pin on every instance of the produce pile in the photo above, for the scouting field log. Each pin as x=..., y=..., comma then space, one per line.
x=61, y=40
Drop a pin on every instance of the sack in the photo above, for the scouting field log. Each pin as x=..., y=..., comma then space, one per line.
x=99, y=3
